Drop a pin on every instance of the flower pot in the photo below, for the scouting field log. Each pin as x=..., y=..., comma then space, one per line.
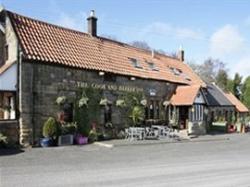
x=67, y=139
x=46, y=142
x=81, y=140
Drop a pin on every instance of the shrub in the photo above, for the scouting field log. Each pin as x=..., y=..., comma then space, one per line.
x=69, y=128
x=50, y=128
x=3, y=141
x=137, y=115
x=93, y=136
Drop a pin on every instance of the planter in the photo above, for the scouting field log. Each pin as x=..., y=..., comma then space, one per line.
x=65, y=140
x=81, y=140
x=46, y=142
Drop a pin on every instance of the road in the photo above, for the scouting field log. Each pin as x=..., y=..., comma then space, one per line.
x=208, y=163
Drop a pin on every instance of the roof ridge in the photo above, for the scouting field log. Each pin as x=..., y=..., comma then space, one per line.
x=137, y=48
x=47, y=23
x=86, y=34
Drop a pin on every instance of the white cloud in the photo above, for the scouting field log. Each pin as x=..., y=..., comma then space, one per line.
x=76, y=22
x=164, y=29
x=226, y=40
x=242, y=66
x=247, y=21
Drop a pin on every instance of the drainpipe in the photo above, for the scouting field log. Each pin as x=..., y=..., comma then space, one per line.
x=32, y=107
x=18, y=89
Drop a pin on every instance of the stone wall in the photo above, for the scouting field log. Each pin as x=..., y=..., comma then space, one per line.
x=42, y=84
x=10, y=129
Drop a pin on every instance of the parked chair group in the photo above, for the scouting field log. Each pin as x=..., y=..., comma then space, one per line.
x=153, y=132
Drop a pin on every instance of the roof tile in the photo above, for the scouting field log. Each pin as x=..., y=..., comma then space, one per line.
x=58, y=45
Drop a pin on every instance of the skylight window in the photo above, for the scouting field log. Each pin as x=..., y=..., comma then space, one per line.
x=135, y=63
x=175, y=71
x=152, y=66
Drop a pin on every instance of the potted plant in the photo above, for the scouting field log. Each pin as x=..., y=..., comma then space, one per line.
x=3, y=141
x=50, y=130
x=83, y=101
x=120, y=103
x=143, y=102
x=137, y=115
x=68, y=131
x=61, y=100
x=81, y=140
x=93, y=136
x=104, y=102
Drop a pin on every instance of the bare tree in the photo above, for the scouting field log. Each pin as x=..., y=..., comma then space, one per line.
x=141, y=45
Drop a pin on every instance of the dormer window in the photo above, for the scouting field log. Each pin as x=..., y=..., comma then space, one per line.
x=135, y=63
x=175, y=71
x=152, y=66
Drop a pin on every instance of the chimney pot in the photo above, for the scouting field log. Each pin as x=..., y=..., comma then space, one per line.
x=92, y=13
x=152, y=53
x=92, y=24
x=181, y=54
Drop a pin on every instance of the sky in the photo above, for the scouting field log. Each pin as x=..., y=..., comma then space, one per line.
x=204, y=28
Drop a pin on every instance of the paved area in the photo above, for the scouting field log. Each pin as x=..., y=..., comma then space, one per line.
x=211, y=162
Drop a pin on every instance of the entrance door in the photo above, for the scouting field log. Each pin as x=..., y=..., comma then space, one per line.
x=183, y=112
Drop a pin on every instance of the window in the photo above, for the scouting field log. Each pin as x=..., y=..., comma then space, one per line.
x=108, y=114
x=135, y=63
x=152, y=66
x=175, y=71
x=68, y=112
x=6, y=52
x=198, y=111
x=151, y=110
x=146, y=112
x=157, y=108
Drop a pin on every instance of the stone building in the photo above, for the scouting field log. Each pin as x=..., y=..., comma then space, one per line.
x=40, y=62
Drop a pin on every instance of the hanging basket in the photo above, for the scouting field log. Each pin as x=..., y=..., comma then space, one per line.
x=83, y=102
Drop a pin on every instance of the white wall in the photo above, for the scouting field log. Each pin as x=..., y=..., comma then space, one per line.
x=8, y=79
x=199, y=99
x=11, y=40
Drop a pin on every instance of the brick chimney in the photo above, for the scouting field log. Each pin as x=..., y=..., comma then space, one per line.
x=181, y=54
x=92, y=23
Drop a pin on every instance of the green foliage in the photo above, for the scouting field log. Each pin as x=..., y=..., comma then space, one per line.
x=222, y=79
x=230, y=85
x=61, y=100
x=137, y=115
x=93, y=136
x=50, y=128
x=121, y=103
x=83, y=101
x=131, y=99
x=3, y=141
x=208, y=70
x=87, y=114
x=104, y=102
x=246, y=92
x=69, y=128
x=237, y=85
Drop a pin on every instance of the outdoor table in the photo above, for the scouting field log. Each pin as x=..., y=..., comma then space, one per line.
x=136, y=132
x=161, y=129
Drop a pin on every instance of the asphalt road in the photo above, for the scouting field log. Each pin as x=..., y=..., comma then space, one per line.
x=209, y=163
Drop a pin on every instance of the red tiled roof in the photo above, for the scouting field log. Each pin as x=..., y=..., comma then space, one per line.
x=238, y=104
x=184, y=95
x=57, y=45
